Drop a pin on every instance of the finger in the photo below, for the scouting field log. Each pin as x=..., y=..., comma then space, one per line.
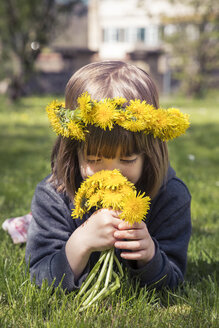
x=116, y=213
x=134, y=245
x=136, y=234
x=125, y=225
x=110, y=214
x=115, y=222
x=133, y=255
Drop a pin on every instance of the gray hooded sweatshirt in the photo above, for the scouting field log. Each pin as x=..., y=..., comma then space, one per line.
x=168, y=222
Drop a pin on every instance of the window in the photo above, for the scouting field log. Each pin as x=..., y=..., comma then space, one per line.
x=153, y=35
x=136, y=34
x=112, y=34
x=148, y=35
x=141, y=34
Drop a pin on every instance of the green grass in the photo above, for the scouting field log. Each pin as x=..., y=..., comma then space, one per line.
x=25, y=148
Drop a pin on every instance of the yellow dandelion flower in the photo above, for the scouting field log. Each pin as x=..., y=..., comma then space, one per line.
x=107, y=189
x=55, y=105
x=137, y=116
x=112, y=199
x=136, y=107
x=179, y=122
x=135, y=208
x=81, y=194
x=85, y=105
x=161, y=122
x=78, y=213
x=52, y=112
x=133, y=125
x=113, y=179
x=75, y=130
x=95, y=200
x=170, y=124
x=90, y=188
x=80, y=203
x=126, y=189
x=119, y=101
x=104, y=114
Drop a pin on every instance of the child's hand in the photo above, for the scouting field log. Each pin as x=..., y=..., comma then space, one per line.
x=136, y=239
x=97, y=233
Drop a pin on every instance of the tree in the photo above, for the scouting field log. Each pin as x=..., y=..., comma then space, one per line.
x=25, y=27
x=194, y=47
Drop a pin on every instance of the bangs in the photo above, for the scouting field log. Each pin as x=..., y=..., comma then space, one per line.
x=105, y=143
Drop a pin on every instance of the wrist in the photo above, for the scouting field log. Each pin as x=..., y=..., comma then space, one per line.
x=81, y=244
x=77, y=254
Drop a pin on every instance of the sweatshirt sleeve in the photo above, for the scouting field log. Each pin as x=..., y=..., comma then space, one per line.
x=169, y=224
x=48, y=233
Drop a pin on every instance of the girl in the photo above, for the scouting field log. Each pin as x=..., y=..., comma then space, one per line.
x=61, y=248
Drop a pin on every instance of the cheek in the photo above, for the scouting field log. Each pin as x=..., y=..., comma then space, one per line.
x=86, y=171
x=133, y=174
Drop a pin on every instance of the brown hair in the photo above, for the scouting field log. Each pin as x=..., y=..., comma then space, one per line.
x=110, y=79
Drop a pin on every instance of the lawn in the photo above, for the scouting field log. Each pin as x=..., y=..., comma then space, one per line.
x=25, y=147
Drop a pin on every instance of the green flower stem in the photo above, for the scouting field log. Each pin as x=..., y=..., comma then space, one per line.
x=112, y=287
x=101, y=293
x=119, y=266
x=92, y=274
x=88, y=295
x=102, y=257
x=110, y=269
x=100, y=278
x=104, y=292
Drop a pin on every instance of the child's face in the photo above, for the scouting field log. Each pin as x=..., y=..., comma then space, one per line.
x=130, y=166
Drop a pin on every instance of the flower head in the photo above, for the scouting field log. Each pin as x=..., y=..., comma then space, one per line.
x=104, y=114
x=95, y=200
x=85, y=105
x=111, y=179
x=137, y=116
x=110, y=189
x=81, y=207
x=119, y=101
x=135, y=207
x=169, y=124
x=112, y=199
x=76, y=130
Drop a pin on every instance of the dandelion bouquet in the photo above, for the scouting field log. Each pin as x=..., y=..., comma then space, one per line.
x=107, y=189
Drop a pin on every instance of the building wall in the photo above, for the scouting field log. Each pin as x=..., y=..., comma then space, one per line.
x=120, y=27
x=127, y=30
x=116, y=27
x=130, y=30
x=124, y=30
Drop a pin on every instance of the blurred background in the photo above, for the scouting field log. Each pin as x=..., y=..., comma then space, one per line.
x=42, y=42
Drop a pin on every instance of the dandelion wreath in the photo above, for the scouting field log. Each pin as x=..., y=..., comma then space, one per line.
x=107, y=189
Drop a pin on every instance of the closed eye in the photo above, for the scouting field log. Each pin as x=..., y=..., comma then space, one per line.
x=128, y=161
x=93, y=161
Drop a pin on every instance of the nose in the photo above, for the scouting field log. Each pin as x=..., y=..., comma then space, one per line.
x=110, y=164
